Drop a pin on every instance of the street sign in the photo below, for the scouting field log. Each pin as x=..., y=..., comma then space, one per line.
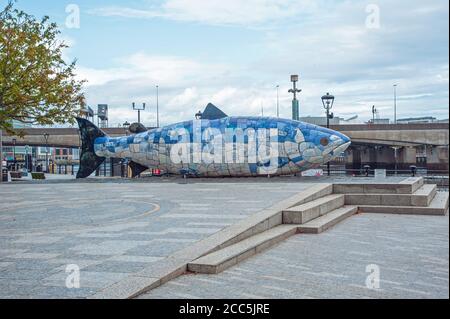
x=313, y=172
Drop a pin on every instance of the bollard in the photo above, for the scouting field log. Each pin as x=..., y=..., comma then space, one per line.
x=367, y=168
x=413, y=170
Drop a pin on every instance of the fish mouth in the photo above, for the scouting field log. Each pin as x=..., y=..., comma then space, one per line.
x=341, y=148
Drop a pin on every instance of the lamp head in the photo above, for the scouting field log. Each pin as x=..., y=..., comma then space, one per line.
x=328, y=101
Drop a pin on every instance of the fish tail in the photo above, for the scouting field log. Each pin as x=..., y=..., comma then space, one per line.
x=89, y=161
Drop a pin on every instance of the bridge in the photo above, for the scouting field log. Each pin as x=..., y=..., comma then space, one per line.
x=432, y=134
x=402, y=135
x=391, y=146
x=57, y=137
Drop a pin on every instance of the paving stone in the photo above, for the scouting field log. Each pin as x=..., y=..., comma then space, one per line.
x=91, y=230
x=333, y=264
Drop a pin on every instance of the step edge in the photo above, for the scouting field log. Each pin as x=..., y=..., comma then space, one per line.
x=251, y=246
x=346, y=210
x=314, y=203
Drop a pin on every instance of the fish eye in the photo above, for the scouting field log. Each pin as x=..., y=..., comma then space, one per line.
x=324, y=141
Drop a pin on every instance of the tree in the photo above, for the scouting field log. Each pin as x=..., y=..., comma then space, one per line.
x=36, y=85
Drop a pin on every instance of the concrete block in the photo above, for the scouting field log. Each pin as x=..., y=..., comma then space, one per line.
x=357, y=199
x=438, y=206
x=387, y=189
x=414, y=182
x=275, y=220
x=394, y=200
x=306, y=212
x=312, y=193
x=424, y=195
x=324, y=222
x=348, y=188
x=231, y=255
x=202, y=268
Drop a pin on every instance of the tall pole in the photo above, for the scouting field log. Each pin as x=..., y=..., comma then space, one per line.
x=395, y=103
x=294, y=90
x=157, y=106
x=278, y=101
x=46, y=158
x=328, y=101
x=328, y=126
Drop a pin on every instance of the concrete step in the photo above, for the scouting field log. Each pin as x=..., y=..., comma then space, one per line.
x=438, y=206
x=220, y=260
x=313, y=209
x=326, y=221
x=421, y=197
x=407, y=186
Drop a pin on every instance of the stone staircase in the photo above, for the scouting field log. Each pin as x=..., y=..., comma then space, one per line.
x=318, y=213
x=411, y=196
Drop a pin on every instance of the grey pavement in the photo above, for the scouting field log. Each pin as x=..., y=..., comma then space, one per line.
x=411, y=254
x=112, y=229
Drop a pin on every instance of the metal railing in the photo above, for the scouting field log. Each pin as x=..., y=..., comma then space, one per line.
x=438, y=177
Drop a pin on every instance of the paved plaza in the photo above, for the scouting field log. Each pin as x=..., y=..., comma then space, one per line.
x=111, y=230
x=411, y=252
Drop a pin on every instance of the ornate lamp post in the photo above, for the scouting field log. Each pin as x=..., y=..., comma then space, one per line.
x=294, y=90
x=328, y=101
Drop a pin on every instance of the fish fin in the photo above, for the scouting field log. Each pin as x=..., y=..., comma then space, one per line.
x=136, y=168
x=212, y=112
x=137, y=128
x=89, y=161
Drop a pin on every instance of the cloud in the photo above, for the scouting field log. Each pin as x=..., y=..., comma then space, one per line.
x=215, y=12
x=326, y=42
x=141, y=67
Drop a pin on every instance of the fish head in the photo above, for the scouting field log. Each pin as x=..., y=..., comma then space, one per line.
x=311, y=146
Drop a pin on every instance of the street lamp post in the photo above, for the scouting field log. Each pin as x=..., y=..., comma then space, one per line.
x=328, y=101
x=395, y=103
x=157, y=106
x=294, y=90
x=46, y=136
x=278, y=101
x=374, y=111
x=139, y=109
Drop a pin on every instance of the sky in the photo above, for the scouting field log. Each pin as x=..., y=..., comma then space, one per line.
x=234, y=53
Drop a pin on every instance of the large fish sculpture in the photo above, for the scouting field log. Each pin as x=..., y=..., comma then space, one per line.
x=215, y=145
